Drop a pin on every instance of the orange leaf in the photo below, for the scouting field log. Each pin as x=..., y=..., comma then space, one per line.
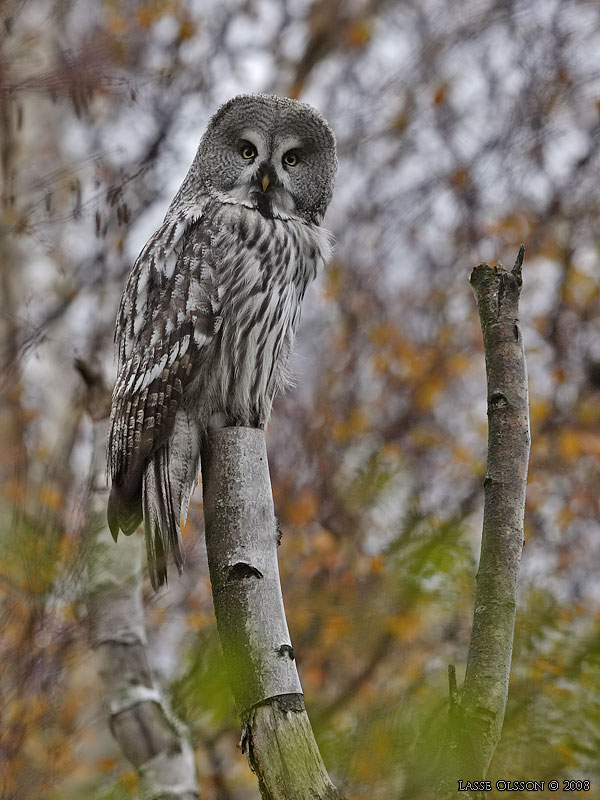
x=428, y=392
x=355, y=423
x=569, y=445
x=303, y=508
x=440, y=93
x=50, y=497
x=359, y=33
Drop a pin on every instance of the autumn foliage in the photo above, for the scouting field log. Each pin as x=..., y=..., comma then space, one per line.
x=460, y=136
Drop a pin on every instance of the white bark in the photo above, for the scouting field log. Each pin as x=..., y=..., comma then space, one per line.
x=241, y=541
x=151, y=738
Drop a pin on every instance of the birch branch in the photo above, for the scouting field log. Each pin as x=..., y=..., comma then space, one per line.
x=476, y=721
x=241, y=541
x=151, y=738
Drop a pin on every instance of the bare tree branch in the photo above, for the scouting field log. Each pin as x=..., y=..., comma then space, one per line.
x=476, y=721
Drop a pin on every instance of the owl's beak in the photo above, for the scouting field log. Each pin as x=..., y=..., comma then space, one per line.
x=267, y=177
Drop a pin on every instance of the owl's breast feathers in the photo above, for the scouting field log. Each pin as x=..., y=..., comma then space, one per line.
x=205, y=325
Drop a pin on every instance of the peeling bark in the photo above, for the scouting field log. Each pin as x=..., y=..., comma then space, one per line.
x=476, y=720
x=241, y=541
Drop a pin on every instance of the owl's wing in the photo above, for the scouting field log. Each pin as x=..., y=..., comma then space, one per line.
x=167, y=316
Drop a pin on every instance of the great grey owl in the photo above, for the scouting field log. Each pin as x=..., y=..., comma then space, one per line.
x=210, y=309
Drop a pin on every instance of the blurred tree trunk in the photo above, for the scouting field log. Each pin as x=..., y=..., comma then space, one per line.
x=475, y=721
x=149, y=735
x=241, y=540
x=12, y=423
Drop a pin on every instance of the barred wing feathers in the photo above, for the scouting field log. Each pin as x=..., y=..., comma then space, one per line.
x=168, y=314
x=205, y=327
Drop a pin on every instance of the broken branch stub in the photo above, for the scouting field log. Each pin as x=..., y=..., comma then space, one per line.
x=476, y=714
x=241, y=541
x=483, y=702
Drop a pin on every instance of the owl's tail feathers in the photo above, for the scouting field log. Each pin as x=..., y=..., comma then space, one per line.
x=169, y=480
x=124, y=508
x=161, y=526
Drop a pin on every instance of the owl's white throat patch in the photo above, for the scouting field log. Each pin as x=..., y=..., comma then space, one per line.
x=275, y=203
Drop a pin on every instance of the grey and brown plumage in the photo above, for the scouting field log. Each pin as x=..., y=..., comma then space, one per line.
x=209, y=312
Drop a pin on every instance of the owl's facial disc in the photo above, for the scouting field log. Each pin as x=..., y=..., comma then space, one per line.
x=270, y=153
x=261, y=181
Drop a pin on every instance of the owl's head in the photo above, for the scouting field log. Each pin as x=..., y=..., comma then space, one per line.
x=272, y=153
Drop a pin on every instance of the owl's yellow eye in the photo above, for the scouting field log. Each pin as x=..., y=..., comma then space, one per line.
x=248, y=151
x=291, y=159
